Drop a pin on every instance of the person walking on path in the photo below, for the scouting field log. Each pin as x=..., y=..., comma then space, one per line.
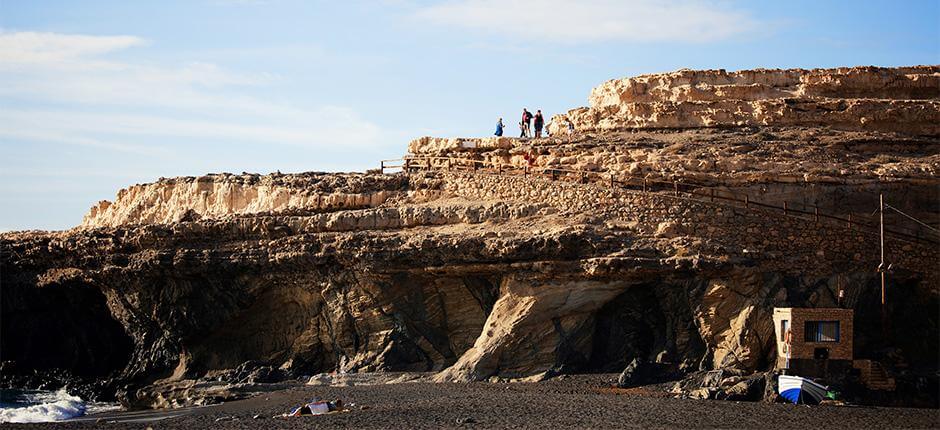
x=527, y=120
x=499, y=127
x=539, y=122
x=522, y=130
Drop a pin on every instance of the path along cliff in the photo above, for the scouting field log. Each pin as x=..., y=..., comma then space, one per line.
x=500, y=258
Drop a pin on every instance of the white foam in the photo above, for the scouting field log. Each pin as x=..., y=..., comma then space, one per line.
x=53, y=406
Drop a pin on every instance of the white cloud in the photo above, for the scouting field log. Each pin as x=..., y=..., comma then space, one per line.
x=303, y=128
x=78, y=94
x=581, y=21
x=27, y=47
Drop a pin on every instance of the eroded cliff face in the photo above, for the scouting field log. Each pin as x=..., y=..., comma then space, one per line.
x=184, y=290
x=178, y=199
x=900, y=100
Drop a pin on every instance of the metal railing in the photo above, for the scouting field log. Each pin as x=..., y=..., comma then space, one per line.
x=683, y=189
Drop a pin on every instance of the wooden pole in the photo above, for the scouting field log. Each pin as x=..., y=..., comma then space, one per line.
x=675, y=185
x=785, y=211
x=881, y=231
x=746, y=200
x=882, y=268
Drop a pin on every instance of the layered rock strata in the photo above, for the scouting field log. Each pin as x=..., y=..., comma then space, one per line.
x=176, y=199
x=903, y=100
x=182, y=285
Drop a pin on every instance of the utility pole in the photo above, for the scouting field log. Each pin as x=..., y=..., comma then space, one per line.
x=881, y=231
x=883, y=267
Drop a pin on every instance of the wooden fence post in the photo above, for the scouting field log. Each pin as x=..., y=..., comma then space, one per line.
x=644, y=185
x=816, y=212
x=675, y=185
x=746, y=201
x=785, y=212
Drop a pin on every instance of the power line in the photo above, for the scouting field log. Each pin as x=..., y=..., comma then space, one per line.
x=912, y=218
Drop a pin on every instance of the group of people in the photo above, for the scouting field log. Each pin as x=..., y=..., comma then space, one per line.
x=526, y=125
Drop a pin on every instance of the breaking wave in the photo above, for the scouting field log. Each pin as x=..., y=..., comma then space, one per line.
x=28, y=406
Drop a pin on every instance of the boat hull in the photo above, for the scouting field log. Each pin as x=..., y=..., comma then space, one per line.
x=799, y=390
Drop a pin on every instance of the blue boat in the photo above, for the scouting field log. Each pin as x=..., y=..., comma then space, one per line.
x=801, y=390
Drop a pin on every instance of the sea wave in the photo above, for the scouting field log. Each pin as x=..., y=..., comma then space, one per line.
x=39, y=407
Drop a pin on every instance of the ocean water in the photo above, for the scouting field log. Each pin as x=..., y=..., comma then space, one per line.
x=37, y=406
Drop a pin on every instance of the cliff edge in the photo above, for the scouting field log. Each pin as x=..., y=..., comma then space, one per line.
x=685, y=207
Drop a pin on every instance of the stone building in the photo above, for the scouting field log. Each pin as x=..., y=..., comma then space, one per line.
x=819, y=340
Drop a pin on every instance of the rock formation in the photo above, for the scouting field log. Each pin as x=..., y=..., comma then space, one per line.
x=459, y=268
x=900, y=100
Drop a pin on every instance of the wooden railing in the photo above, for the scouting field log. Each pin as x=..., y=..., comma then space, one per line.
x=680, y=189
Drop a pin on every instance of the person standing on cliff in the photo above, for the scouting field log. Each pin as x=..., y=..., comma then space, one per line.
x=527, y=123
x=499, y=127
x=539, y=122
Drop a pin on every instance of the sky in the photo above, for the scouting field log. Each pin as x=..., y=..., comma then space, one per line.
x=96, y=96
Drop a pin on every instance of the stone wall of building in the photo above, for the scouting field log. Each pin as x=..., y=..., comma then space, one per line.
x=799, y=347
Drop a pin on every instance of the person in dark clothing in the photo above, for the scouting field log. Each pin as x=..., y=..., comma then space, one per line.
x=499, y=127
x=527, y=120
x=539, y=122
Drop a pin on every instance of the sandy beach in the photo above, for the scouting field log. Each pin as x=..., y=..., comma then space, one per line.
x=573, y=402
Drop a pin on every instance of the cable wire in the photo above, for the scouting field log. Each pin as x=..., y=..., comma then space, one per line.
x=912, y=218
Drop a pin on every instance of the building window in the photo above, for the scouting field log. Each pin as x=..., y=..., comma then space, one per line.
x=821, y=331
x=784, y=326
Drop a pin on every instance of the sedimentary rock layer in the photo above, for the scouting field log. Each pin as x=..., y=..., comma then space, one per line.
x=177, y=199
x=902, y=100
x=187, y=283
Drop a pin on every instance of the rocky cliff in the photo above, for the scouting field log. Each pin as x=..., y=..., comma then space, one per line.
x=493, y=262
x=172, y=200
x=900, y=100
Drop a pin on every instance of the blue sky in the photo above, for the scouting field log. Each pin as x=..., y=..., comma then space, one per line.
x=98, y=95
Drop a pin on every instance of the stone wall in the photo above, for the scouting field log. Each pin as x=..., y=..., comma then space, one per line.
x=781, y=242
x=799, y=347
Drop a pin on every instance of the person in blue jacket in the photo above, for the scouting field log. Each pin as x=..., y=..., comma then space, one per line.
x=499, y=127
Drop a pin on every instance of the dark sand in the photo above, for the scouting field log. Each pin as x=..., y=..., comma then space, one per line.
x=573, y=402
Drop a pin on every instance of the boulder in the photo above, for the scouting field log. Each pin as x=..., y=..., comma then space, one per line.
x=638, y=372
